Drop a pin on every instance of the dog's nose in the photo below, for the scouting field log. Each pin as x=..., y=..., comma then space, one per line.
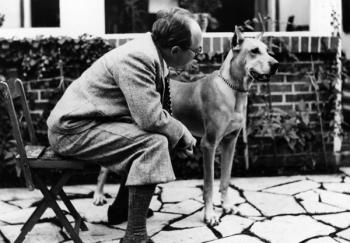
x=273, y=67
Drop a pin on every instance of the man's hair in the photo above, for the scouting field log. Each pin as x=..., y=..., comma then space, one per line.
x=172, y=28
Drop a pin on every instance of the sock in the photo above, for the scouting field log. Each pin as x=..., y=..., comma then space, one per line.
x=139, y=201
x=118, y=211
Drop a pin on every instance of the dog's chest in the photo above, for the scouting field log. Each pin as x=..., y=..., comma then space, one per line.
x=235, y=123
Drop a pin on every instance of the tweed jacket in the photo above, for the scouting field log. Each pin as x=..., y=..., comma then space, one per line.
x=125, y=84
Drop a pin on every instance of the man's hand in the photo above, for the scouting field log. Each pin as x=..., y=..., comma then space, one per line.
x=185, y=146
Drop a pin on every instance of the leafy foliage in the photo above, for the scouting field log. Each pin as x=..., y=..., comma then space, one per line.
x=293, y=126
x=200, y=6
x=39, y=58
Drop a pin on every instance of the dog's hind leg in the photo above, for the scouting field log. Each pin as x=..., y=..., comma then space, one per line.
x=99, y=198
x=208, y=148
x=228, y=150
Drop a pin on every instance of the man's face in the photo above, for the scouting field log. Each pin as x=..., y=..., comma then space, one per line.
x=182, y=57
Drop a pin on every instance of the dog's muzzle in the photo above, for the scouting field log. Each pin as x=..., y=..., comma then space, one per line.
x=265, y=77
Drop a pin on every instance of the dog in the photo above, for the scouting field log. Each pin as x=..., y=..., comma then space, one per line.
x=214, y=108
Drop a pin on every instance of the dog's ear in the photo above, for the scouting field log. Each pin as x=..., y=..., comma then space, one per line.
x=237, y=38
x=259, y=36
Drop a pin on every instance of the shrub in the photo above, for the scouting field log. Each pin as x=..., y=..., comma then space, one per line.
x=40, y=57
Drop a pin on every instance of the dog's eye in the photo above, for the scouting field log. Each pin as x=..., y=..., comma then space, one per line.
x=255, y=51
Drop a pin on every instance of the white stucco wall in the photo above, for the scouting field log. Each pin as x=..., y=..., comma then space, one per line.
x=321, y=15
x=11, y=10
x=82, y=16
x=156, y=5
x=299, y=8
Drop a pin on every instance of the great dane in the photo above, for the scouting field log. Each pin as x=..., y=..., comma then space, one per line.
x=214, y=108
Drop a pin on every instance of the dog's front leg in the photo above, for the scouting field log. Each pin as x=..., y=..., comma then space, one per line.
x=208, y=148
x=228, y=150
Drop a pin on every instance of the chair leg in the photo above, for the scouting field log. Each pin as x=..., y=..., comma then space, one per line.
x=73, y=211
x=38, y=212
x=53, y=204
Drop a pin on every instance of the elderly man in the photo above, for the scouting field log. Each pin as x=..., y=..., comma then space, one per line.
x=117, y=113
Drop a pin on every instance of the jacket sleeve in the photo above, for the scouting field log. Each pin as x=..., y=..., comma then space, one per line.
x=136, y=75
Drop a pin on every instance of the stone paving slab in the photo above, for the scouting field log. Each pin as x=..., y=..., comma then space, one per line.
x=290, y=229
x=245, y=209
x=272, y=204
x=238, y=239
x=6, y=208
x=185, y=207
x=90, y=212
x=340, y=220
x=232, y=224
x=314, y=207
x=322, y=240
x=337, y=187
x=259, y=183
x=293, y=187
x=344, y=234
x=24, y=203
x=193, y=235
x=182, y=184
x=178, y=194
x=326, y=178
x=192, y=221
x=42, y=232
x=310, y=208
x=335, y=198
x=9, y=194
x=100, y=233
x=21, y=215
x=340, y=240
x=310, y=195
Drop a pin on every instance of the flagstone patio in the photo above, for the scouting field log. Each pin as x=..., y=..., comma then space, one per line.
x=287, y=209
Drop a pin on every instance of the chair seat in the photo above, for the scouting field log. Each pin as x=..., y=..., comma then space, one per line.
x=46, y=158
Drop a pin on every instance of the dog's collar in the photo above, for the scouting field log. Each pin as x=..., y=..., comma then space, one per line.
x=231, y=85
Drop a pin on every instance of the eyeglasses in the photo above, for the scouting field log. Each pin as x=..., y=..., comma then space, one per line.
x=196, y=51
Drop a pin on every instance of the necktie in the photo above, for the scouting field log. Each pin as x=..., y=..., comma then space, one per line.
x=167, y=98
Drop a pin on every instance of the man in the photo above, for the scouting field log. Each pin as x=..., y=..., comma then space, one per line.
x=115, y=113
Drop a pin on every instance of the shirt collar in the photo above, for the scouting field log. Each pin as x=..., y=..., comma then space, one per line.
x=166, y=69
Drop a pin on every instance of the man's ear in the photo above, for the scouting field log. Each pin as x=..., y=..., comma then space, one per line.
x=175, y=50
x=237, y=39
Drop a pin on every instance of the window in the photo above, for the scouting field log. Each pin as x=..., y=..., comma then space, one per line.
x=45, y=13
x=125, y=16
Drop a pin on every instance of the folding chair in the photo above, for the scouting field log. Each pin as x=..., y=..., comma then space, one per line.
x=33, y=157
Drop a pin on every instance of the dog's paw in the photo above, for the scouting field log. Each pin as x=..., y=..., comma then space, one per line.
x=211, y=219
x=99, y=199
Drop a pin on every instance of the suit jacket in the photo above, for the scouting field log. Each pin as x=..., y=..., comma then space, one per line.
x=125, y=84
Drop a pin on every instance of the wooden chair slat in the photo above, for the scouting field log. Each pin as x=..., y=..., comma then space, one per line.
x=24, y=102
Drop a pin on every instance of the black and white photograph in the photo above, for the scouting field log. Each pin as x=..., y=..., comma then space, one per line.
x=175, y=121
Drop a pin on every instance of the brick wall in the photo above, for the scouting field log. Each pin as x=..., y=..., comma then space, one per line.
x=290, y=84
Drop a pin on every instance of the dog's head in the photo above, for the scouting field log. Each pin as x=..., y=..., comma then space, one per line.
x=253, y=54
